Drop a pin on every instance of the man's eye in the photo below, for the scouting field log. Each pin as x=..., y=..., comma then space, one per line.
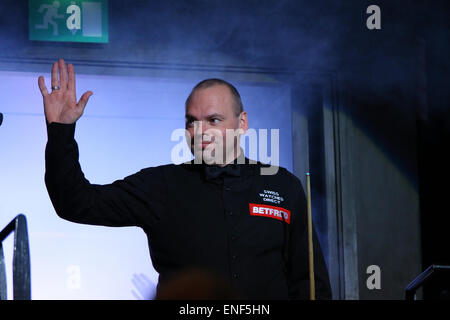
x=215, y=120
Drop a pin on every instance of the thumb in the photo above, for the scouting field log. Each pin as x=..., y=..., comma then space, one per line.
x=84, y=100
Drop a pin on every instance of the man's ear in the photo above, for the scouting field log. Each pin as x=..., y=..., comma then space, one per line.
x=243, y=121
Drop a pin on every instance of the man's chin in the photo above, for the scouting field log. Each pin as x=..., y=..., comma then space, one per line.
x=206, y=157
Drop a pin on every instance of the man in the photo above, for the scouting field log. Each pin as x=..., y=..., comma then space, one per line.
x=210, y=216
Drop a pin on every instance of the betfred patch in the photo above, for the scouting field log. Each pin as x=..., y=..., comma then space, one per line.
x=264, y=210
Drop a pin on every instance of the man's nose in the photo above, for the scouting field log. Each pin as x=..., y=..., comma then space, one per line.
x=200, y=127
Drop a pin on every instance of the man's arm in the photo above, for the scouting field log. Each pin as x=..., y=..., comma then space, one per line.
x=298, y=263
x=128, y=202
x=131, y=201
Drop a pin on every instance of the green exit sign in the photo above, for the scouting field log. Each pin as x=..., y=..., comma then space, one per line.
x=68, y=20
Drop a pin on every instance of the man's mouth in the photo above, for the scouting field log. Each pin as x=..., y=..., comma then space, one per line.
x=205, y=143
x=202, y=143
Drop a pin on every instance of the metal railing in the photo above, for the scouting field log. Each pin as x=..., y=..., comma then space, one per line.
x=21, y=260
x=432, y=271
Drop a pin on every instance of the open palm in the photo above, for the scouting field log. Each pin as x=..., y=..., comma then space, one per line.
x=61, y=104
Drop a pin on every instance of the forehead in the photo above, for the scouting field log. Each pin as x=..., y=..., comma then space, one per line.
x=215, y=99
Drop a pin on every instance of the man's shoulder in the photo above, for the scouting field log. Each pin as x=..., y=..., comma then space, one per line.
x=273, y=170
x=169, y=168
x=153, y=170
x=280, y=175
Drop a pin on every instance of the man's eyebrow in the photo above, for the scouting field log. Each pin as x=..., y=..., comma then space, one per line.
x=213, y=115
x=190, y=117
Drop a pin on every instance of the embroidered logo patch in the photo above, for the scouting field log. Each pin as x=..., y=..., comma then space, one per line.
x=270, y=211
x=271, y=196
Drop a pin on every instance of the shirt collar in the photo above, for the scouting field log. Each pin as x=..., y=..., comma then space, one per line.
x=247, y=167
x=239, y=167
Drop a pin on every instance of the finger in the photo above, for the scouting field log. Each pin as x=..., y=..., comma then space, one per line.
x=71, y=70
x=55, y=81
x=84, y=100
x=62, y=74
x=42, y=86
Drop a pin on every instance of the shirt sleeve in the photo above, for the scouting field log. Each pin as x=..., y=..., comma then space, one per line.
x=298, y=257
x=132, y=201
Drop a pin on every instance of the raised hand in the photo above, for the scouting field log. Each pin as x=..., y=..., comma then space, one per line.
x=61, y=104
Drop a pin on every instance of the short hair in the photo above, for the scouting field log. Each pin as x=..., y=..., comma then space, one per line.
x=237, y=105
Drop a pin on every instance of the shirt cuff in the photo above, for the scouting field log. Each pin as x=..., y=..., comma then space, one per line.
x=60, y=132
